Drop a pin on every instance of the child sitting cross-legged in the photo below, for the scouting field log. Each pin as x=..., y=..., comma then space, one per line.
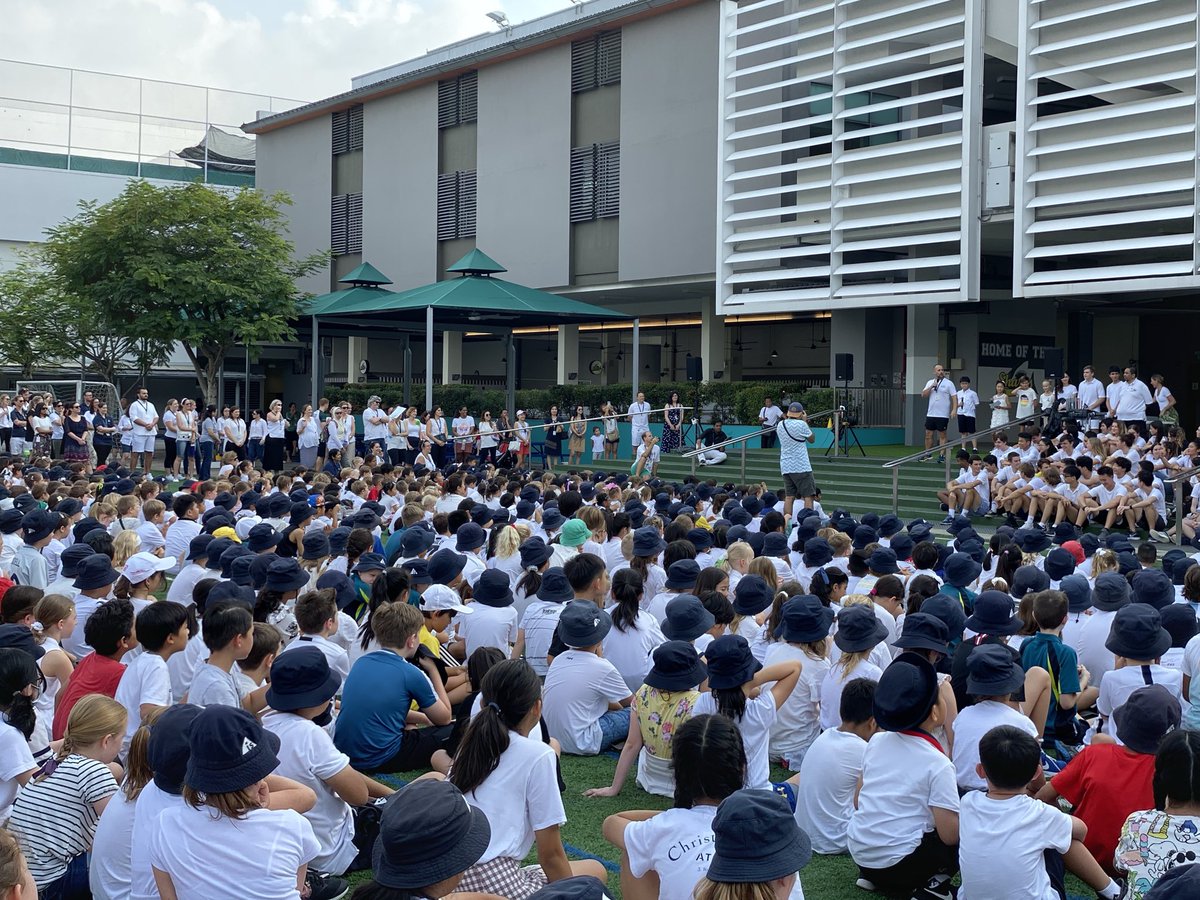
x=1012, y=845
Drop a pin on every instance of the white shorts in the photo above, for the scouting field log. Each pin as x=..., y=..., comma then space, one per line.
x=143, y=443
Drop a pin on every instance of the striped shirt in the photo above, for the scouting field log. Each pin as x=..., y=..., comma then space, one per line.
x=55, y=818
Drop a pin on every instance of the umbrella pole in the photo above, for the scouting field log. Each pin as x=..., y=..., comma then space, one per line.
x=316, y=364
x=511, y=374
x=429, y=358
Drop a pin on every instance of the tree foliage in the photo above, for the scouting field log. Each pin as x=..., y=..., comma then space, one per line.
x=209, y=269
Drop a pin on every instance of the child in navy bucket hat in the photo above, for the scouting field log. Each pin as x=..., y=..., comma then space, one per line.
x=1137, y=640
x=755, y=841
x=803, y=637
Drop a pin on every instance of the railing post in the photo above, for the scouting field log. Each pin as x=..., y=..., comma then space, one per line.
x=1179, y=512
x=744, y=443
x=895, y=490
x=837, y=433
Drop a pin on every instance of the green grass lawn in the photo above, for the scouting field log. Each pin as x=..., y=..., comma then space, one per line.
x=825, y=878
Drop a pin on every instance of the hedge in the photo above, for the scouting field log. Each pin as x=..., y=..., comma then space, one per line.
x=735, y=404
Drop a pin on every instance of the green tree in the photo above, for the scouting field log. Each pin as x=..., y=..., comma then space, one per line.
x=24, y=336
x=207, y=268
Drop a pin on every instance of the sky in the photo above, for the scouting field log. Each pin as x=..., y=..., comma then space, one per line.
x=298, y=49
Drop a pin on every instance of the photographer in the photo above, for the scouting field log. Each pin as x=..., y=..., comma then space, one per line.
x=794, y=437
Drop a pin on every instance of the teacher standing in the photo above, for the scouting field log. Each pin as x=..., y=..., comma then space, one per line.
x=274, y=441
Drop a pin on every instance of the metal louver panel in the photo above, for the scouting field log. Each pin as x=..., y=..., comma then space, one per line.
x=608, y=180
x=355, y=141
x=354, y=218
x=466, y=204
x=341, y=131
x=849, y=155
x=337, y=225
x=458, y=100
x=1106, y=154
x=596, y=61
x=456, y=205
x=583, y=184
x=595, y=182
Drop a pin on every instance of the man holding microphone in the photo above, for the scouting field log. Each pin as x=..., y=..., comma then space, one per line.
x=942, y=406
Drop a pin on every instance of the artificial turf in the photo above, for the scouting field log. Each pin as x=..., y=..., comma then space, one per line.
x=824, y=878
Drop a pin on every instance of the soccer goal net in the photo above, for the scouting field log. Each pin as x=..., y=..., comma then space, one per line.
x=74, y=391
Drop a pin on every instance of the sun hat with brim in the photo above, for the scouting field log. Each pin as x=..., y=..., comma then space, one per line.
x=1110, y=592
x=1032, y=540
x=890, y=525
x=958, y=524
x=1064, y=532
x=949, y=610
x=1153, y=587
x=1078, y=591
x=534, y=552
x=418, y=572
x=552, y=519
x=493, y=589
x=775, y=545
x=1059, y=564
x=676, y=667
x=453, y=836
x=197, y=547
x=230, y=751
x=300, y=679
x=902, y=545
x=752, y=595
x=686, y=618
x=263, y=537
x=445, y=565
x=739, y=516
x=241, y=572
x=231, y=592
x=993, y=614
x=817, y=553
x=682, y=575
x=924, y=632
x=285, y=575
x=169, y=747
x=574, y=533
x=1146, y=717
x=858, y=629
x=215, y=548
x=416, y=541
x=469, y=537
x=39, y=525
x=906, y=693
x=864, y=535
x=700, y=538
x=236, y=551
x=438, y=597
x=70, y=559
x=648, y=542
x=804, y=620
x=1127, y=562
x=1179, y=570
x=79, y=531
x=730, y=662
x=1137, y=633
x=756, y=839
x=95, y=571
x=961, y=570
x=20, y=637
x=343, y=588
x=583, y=624
x=10, y=521
x=993, y=671
x=482, y=514
x=141, y=566
x=555, y=586
x=315, y=545
x=1180, y=622
x=883, y=562
x=1028, y=580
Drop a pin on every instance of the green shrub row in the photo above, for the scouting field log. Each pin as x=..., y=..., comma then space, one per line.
x=735, y=404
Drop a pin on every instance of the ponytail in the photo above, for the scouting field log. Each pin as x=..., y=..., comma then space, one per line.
x=17, y=672
x=510, y=690
x=531, y=582
x=731, y=702
x=627, y=590
x=391, y=586
x=93, y=718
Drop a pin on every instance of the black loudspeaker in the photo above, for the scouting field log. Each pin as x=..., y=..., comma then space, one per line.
x=695, y=368
x=1052, y=362
x=843, y=366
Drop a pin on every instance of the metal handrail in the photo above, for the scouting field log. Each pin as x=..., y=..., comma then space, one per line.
x=743, y=439
x=1174, y=479
x=895, y=464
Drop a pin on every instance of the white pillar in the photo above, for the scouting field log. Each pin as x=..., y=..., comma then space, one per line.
x=356, y=352
x=568, y=354
x=429, y=358
x=712, y=342
x=451, y=357
x=920, y=356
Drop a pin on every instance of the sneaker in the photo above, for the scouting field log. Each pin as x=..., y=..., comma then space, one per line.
x=319, y=886
x=1159, y=537
x=865, y=884
x=937, y=889
x=948, y=520
x=1103, y=533
x=941, y=460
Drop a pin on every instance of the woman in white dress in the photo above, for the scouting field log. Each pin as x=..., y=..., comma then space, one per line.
x=1000, y=405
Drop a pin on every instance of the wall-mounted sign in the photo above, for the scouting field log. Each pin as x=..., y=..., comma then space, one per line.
x=1012, y=351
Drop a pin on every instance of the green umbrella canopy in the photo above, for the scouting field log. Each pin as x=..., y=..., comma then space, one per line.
x=365, y=284
x=475, y=295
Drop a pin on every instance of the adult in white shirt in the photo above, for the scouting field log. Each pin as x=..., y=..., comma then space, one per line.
x=463, y=426
x=273, y=440
x=639, y=419
x=1164, y=398
x=942, y=403
x=233, y=428
x=375, y=427
x=1131, y=406
x=1112, y=391
x=1090, y=395
x=145, y=429
x=768, y=417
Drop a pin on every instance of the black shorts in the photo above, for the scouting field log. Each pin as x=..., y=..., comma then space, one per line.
x=937, y=423
x=966, y=424
x=799, y=484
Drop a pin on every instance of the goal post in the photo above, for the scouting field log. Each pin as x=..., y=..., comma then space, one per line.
x=74, y=391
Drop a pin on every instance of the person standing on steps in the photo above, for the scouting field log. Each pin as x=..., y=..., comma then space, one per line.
x=145, y=429
x=942, y=406
x=639, y=419
x=768, y=417
x=794, y=437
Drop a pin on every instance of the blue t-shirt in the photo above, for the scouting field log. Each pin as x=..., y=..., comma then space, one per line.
x=1049, y=652
x=793, y=437
x=375, y=703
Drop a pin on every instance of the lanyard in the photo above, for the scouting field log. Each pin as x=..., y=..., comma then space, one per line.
x=925, y=736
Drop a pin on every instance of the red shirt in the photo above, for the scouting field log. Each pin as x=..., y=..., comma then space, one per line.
x=1104, y=784
x=95, y=674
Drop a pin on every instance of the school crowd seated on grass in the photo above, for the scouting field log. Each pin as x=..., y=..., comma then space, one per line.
x=356, y=674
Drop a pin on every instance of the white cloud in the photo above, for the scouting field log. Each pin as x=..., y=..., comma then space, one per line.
x=306, y=49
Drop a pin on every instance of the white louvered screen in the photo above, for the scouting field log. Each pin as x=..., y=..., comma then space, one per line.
x=1106, y=154
x=849, y=170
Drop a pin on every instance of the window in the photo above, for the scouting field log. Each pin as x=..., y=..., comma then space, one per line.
x=596, y=61
x=345, y=224
x=348, y=130
x=595, y=182
x=456, y=206
x=458, y=100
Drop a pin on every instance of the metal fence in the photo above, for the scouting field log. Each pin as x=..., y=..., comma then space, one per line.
x=873, y=407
